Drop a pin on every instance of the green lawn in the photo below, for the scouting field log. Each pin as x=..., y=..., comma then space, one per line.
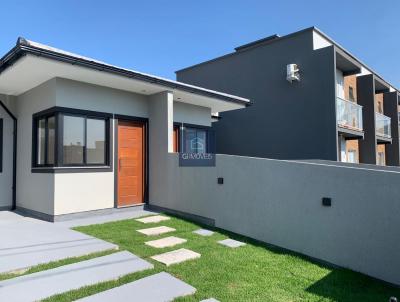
x=254, y=272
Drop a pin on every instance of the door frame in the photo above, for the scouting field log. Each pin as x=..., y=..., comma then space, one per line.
x=145, y=122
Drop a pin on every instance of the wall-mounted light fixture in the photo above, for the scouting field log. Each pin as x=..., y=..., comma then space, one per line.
x=326, y=201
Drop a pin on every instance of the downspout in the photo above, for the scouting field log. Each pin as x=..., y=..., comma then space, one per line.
x=14, y=186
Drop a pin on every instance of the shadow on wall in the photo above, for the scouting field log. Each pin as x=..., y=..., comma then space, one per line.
x=344, y=285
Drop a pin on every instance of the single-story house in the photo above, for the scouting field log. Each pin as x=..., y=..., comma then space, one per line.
x=79, y=135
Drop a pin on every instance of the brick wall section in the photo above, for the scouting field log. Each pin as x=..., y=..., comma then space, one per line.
x=350, y=81
x=379, y=103
x=352, y=145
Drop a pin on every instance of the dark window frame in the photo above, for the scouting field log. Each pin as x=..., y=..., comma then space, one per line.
x=1, y=145
x=59, y=113
x=210, y=148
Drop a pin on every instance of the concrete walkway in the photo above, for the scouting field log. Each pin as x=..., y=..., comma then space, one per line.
x=160, y=287
x=26, y=242
x=38, y=286
x=118, y=214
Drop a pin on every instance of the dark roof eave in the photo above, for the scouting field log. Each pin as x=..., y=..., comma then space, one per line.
x=22, y=48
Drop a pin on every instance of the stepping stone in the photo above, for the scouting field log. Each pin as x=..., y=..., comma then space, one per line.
x=156, y=231
x=165, y=242
x=156, y=288
x=231, y=243
x=203, y=232
x=38, y=286
x=153, y=219
x=176, y=256
x=209, y=300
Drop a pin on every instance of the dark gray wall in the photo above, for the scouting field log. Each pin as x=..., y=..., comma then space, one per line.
x=366, y=98
x=286, y=121
x=390, y=103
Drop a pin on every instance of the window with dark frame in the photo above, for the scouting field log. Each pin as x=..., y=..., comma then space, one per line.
x=196, y=140
x=71, y=139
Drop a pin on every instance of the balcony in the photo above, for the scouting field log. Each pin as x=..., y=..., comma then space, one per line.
x=349, y=115
x=383, y=126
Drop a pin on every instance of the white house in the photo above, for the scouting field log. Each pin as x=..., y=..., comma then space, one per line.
x=79, y=135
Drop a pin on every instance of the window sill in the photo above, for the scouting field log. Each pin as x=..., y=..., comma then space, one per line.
x=55, y=170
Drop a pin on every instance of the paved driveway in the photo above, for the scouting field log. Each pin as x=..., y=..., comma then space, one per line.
x=26, y=242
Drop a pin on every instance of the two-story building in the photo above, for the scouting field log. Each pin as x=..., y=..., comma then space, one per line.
x=312, y=100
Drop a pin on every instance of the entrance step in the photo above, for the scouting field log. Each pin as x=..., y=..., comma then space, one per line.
x=156, y=231
x=153, y=219
x=161, y=287
x=38, y=286
x=165, y=242
x=176, y=256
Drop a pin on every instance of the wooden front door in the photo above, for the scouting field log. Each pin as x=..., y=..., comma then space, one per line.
x=131, y=158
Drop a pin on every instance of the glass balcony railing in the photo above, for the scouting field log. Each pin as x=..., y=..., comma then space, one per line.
x=349, y=114
x=383, y=125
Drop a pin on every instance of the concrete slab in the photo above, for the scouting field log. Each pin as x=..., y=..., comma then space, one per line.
x=153, y=219
x=161, y=287
x=116, y=215
x=27, y=242
x=209, y=300
x=165, y=242
x=176, y=256
x=156, y=231
x=203, y=232
x=38, y=286
x=231, y=243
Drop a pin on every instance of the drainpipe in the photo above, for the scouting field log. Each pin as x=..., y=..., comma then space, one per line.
x=14, y=185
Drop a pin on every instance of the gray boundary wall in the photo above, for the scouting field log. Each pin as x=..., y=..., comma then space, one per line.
x=280, y=202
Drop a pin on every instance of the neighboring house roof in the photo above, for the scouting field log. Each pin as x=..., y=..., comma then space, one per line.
x=275, y=38
x=25, y=48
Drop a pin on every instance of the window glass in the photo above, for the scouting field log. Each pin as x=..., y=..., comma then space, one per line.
x=352, y=156
x=51, y=126
x=96, y=139
x=351, y=94
x=41, y=141
x=73, y=140
x=195, y=140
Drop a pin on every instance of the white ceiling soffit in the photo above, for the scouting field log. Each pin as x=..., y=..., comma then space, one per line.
x=30, y=71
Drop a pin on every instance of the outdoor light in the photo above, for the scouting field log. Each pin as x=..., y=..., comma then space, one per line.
x=326, y=201
x=220, y=180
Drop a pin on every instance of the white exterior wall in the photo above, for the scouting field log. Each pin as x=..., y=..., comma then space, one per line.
x=319, y=41
x=191, y=114
x=6, y=176
x=66, y=193
x=79, y=192
x=35, y=191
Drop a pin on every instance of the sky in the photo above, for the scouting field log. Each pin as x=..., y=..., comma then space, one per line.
x=160, y=37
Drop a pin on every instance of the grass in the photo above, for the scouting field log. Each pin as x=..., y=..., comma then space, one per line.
x=255, y=272
x=54, y=264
